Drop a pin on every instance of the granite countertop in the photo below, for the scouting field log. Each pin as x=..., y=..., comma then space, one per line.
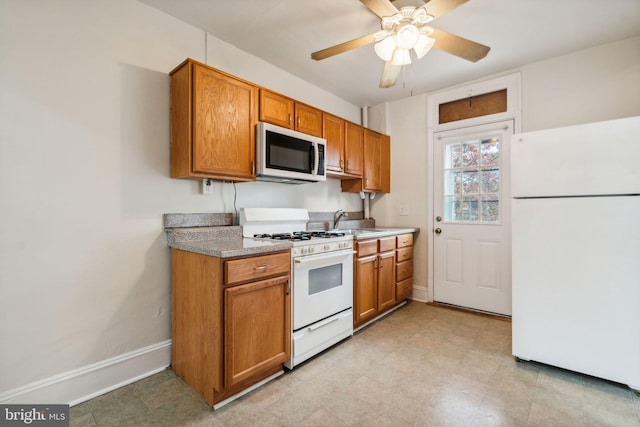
x=213, y=235
x=374, y=233
x=230, y=247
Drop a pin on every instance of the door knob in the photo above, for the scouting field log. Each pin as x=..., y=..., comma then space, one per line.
x=438, y=231
x=438, y=218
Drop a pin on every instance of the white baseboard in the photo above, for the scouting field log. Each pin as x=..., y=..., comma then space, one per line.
x=90, y=381
x=420, y=294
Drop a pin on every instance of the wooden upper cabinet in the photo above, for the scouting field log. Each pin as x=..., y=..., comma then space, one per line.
x=385, y=163
x=344, y=147
x=372, y=161
x=377, y=165
x=334, y=133
x=308, y=119
x=276, y=109
x=353, y=149
x=283, y=111
x=213, y=121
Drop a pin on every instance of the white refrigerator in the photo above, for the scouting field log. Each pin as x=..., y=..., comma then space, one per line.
x=576, y=248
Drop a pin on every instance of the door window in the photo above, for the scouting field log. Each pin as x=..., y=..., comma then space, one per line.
x=472, y=181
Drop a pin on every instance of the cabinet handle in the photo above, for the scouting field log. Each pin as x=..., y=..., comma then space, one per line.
x=261, y=268
x=288, y=287
x=289, y=119
x=253, y=167
x=298, y=122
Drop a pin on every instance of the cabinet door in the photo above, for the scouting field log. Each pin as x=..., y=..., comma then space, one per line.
x=334, y=133
x=276, y=109
x=386, y=280
x=385, y=163
x=372, y=156
x=308, y=119
x=257, y=328
x=353, y=149
x=224, y=125
x=366, y=292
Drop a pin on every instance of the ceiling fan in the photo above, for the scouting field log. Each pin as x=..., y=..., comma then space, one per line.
x=406, y=30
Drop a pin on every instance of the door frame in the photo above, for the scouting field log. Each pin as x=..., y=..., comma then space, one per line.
x=512, y=84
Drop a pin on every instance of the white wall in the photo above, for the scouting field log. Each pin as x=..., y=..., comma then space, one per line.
x=601, y=83
x=84, y=180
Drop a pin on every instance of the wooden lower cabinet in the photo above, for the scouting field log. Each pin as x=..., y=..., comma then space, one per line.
x=366, y=289
x=404, y=266
x=386, y=281
x=374, y=281
x=227, y=334
x=382, y=275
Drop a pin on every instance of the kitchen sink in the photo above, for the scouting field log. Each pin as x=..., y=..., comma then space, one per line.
x=358, y=231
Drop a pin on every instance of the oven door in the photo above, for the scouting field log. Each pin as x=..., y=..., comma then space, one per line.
x=322, y=286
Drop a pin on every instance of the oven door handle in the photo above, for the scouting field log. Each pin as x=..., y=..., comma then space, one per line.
x=327, y=321
x=322, y=257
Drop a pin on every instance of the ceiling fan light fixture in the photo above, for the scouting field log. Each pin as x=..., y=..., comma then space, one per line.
x=385, y=47
x=407, y=36
x=423, y=45
x=401, y=57
x=420, y=16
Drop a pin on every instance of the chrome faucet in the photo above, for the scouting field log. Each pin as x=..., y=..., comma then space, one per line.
x=337, y=215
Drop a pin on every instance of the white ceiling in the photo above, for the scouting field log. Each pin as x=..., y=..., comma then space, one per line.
x=519, y=32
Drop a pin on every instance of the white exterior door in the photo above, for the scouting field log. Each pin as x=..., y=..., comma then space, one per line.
x=472, y=243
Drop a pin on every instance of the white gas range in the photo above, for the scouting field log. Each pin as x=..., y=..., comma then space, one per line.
x=322, y=277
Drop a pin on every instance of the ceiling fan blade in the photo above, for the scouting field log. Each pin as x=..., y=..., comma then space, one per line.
x=437, y=8
x=342, y=47
x=459, y=46
x=389, y=74
x=381, y=8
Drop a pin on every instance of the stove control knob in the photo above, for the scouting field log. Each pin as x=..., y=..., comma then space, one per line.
x=311, y=250
x=327, y=247
x=303, y=250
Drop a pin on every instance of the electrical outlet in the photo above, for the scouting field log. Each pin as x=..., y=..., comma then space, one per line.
x=404, y=211
x=207, y=186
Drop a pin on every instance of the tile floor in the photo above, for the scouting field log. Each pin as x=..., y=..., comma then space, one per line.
x=422, y=365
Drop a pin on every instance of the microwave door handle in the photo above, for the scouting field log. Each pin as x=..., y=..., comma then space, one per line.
x=315, y=159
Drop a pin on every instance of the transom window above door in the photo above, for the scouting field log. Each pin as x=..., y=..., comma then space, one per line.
x=472, y=181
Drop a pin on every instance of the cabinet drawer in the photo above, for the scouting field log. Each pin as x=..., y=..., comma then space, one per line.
x=404, y=240
x=366, y=248
x=249, y=269
x=387, y=244
x=404, y=270
x=404, y=254
x=404, y=289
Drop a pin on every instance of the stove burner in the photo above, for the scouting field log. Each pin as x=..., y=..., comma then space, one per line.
x=326, y=234
x=298, y=236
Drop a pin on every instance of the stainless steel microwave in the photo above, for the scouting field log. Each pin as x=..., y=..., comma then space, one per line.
x=285, y=155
